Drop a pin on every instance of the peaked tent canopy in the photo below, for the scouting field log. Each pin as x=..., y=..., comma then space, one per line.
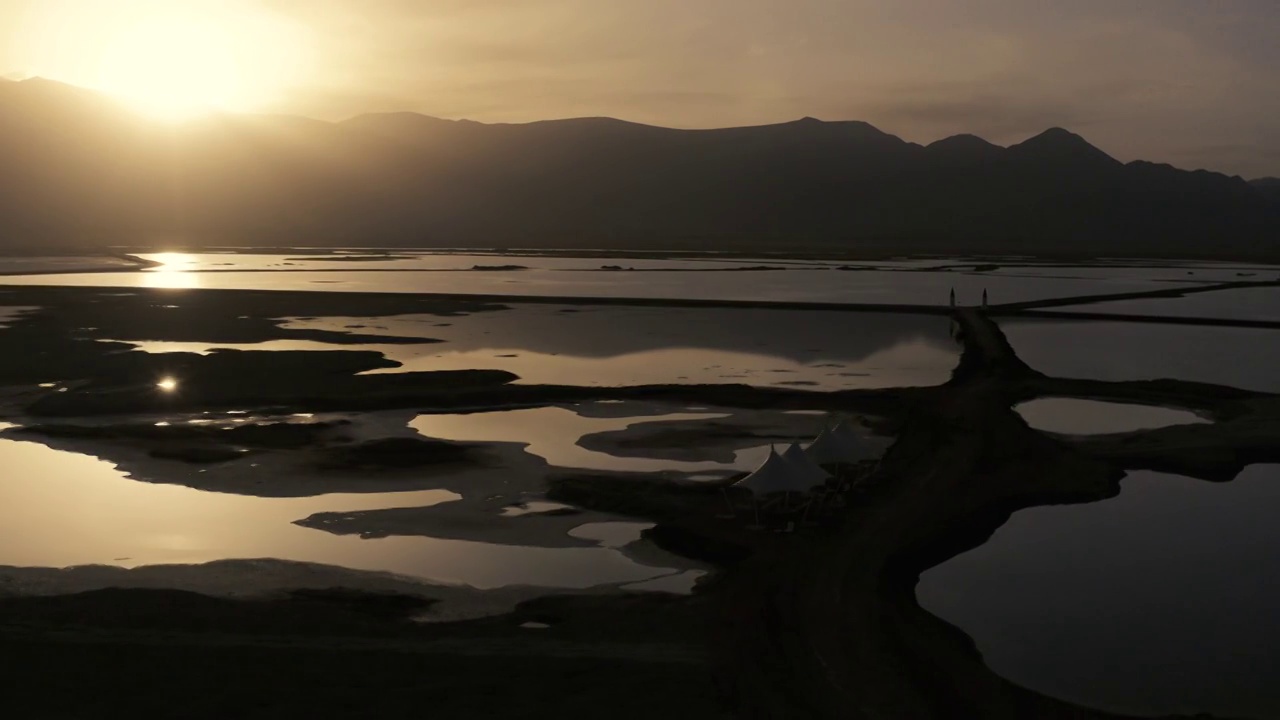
x=805, y=469
x=841, y=444
x=774, y=475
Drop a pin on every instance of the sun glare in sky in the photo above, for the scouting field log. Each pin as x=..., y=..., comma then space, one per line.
x=172, y=67
x=170, y=59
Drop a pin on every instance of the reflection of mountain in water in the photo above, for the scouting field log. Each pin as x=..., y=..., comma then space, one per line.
x=593, y=332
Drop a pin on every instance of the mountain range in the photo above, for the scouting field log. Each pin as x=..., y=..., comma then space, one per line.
x=77, y=168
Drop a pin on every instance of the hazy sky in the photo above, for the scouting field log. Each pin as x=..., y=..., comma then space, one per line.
x=1192, y=82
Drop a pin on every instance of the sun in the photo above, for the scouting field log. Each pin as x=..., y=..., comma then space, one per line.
x=170, y=59
x=172, y=67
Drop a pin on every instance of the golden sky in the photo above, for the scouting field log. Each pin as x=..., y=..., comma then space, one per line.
x=1191, y=82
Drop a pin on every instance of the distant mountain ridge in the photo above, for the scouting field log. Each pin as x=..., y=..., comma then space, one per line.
x=80, y=169
x=1269, y=187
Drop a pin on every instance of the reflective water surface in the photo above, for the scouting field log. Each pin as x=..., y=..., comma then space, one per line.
x=609, y=346
x=801, y=284
x=1198, y=273
x=61, y=509
x=1160, y=601
x=552, y=433
x=9, y=313
x=1241, y=304
x=416, y=260
x=1074, y=416
x=1238, y=357
x=63, y=263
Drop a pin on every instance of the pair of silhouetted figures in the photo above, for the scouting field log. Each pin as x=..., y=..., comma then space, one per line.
x=984, y=297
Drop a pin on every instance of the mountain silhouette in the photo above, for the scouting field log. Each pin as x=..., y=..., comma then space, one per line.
x=1058, y=145
x=1269, y=187
x=964, y=147
x=81, y=169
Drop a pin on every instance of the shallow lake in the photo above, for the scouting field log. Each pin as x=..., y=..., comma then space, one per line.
x=608, y=346
x=1073, y=416
x=1238, y=357
x=799, y=284
x=63, y=263
x=9, y=313
x=431, y=262
x=1239, y=304
x=552, y=433
x=1196, y=274
x=62, y=509
x=1160, y=601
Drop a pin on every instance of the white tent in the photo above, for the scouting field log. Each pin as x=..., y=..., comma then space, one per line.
x=860, y=446
x=777, y=475
x=841, y=444
x=774, y=475
x=806, y=470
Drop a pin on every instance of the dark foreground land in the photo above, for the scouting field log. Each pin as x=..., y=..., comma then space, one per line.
x=182, y=655
x=821, y=623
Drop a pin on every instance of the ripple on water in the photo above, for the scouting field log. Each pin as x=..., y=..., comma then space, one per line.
x=10, y=313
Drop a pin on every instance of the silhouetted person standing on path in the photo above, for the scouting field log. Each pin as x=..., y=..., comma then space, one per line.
x=953, y=297
x=984, y=298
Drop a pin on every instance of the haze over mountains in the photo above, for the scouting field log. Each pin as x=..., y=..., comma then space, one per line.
x=78, y=169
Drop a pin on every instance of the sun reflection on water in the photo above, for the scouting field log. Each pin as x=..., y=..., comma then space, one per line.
x=174, y=271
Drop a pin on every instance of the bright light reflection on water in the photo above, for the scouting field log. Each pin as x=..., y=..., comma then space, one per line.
x=174, y=271
x=552, y=433
x=61, y=509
